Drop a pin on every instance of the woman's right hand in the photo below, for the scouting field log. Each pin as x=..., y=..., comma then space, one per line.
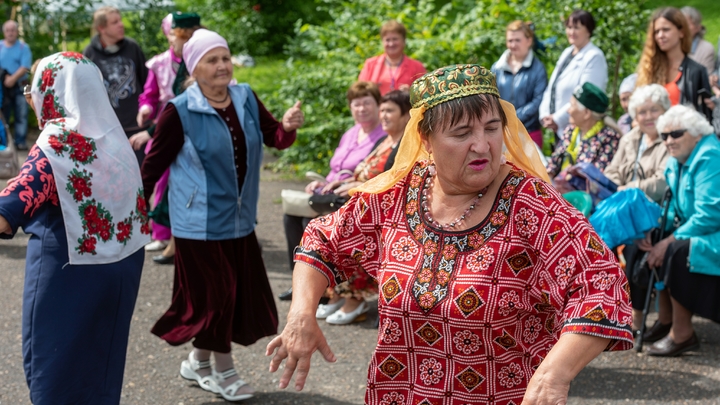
x=138, y=140
x=5, y=225
x=297, y=342
x=549, y=123
x=330, y=187
x=314, y=185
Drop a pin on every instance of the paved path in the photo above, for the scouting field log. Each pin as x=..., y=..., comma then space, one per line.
x=151, y=375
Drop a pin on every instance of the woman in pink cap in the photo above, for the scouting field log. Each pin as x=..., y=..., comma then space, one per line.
x=211, y=138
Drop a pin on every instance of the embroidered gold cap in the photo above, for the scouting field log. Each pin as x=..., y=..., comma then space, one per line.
x=451, y=82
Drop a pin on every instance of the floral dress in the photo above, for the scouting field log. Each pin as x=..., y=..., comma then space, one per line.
x=598, y=150
x=467, y=317
x=76, y=318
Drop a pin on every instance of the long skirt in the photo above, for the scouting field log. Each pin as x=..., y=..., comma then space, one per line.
x=221, y=294
x=699, y=293
x=76, y=322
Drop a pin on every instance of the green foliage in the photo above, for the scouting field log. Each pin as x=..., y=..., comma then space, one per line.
x=326, y=58
x=264, y=77
x=257, y=27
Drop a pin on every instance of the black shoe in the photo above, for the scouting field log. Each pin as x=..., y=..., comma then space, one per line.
x=665, y=347
x=21, y=146
x=286, y=296
x=160, y=259
x=656, y=332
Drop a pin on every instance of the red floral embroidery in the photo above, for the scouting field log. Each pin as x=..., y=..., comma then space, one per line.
x=86, y=244
x=79, y=184
x=47, y=80
x=124, y=229
x=75, y=57
x=96, y=220
x=141, y=212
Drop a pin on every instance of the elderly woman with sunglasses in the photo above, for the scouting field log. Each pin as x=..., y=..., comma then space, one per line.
x=689, y=256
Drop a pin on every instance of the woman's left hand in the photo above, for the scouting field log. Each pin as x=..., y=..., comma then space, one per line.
x=4, y=225
x=657, y=254
x=293, y=118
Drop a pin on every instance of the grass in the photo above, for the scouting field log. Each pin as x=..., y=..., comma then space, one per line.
x=710, y=10
x=265, y=77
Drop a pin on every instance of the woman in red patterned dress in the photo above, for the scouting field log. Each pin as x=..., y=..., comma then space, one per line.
x=493, y=289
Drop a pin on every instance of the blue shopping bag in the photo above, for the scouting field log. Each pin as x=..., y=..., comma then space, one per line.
x=625, y=216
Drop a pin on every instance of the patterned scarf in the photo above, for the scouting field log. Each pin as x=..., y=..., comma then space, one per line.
x=96, y=172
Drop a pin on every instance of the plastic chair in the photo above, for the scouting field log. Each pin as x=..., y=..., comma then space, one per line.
x=580, y=200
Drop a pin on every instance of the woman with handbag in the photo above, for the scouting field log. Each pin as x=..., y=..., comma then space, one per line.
x=355, y=144
x=591, y=137
x=347, y=300
x=688, y=257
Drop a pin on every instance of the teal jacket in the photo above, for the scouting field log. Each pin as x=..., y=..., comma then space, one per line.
x=696, y=202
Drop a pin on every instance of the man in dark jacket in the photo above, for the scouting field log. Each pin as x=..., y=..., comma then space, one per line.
x=122, y=64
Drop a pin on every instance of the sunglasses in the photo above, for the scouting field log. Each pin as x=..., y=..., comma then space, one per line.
x=673, y=134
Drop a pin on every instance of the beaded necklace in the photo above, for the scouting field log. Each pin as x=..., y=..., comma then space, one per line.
x=429, y=182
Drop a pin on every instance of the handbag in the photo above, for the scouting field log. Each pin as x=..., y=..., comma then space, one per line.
x=296, y=203
x=161, y=213
x=325, y=204
x=585, y=176
x=9, y=164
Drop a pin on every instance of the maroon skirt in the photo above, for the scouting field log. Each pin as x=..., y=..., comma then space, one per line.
x=221, y=294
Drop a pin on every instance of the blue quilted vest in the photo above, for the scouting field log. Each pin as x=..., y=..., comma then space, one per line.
x=205, y=203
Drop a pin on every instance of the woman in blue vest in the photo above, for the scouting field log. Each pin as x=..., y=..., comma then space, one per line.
x=211, y=138
x=689, y=256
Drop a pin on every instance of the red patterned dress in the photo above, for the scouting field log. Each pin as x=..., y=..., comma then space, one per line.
x=467, y=317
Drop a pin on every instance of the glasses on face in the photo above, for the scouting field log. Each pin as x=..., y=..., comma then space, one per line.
x=673, y=134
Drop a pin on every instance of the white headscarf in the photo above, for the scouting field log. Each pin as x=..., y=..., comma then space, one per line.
x=96, y=172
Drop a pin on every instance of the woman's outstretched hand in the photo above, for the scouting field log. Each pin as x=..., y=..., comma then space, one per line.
x=297, y=342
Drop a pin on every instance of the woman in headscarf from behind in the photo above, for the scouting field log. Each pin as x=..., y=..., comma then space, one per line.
x=79, y=195
x=165, y=74
x=211, y=138
x=491, y=285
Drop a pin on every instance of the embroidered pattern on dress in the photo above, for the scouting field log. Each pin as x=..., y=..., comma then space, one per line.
x=33, y=199
x=442, y=249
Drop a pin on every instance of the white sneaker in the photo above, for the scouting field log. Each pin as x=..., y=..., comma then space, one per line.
x=156, y=245
x=324, y=311
x=342, y=318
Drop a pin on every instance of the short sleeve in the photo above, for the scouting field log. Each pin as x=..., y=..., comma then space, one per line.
x=342, y=243
x=579, y=272
x=29, y=191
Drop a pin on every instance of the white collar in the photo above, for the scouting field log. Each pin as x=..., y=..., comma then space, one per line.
x=504, y=65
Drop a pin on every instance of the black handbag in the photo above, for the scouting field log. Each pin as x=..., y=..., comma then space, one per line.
x=325, y=204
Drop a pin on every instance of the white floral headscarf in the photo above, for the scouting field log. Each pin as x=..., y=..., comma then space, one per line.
x=96, y=172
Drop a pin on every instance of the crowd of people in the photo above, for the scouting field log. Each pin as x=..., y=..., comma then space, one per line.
x=438, y=203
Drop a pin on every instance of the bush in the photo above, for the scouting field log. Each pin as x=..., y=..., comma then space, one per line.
x=257, y=27
x=325, y=59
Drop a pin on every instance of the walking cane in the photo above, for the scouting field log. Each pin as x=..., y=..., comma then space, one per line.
x=654, y=283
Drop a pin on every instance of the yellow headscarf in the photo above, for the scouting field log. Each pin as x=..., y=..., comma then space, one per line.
x=443, y=85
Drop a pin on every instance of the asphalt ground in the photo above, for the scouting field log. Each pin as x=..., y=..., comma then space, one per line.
x=152, y=369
